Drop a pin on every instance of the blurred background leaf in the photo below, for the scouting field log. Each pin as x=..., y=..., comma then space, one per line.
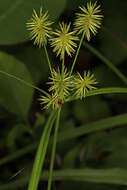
x=113, y=35
x=15, y=14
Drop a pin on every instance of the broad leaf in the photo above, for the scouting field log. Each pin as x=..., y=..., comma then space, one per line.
x=14, y=96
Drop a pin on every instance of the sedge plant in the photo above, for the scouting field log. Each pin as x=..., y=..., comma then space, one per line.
x=63, y=84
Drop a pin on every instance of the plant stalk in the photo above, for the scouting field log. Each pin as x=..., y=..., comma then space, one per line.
x=77, y=53
x=48, y=60
x=62, y=65
x=53, y=150
x=41, y=152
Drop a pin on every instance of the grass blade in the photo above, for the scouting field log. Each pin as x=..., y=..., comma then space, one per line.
x=103, y=124
x=40, y=155
x=108, y=176
x=107, y=62
x=110, y=122
x=23, y=81
x=102, y=91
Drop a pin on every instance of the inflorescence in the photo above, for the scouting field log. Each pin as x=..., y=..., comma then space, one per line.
x=64, y=40
x=40, y=27
x=89, y=20
x=62, y=83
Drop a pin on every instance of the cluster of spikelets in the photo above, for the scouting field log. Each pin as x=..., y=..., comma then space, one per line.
x=62, y=83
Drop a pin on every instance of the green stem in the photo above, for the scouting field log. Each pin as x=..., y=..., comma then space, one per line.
x=62, y=65
x=41, y=152
x=53, y=149
x=47, y=56
x=77, y=54
x=24, y=82
x=107, y=62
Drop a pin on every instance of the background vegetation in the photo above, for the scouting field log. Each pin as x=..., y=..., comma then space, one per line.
x=92, y=143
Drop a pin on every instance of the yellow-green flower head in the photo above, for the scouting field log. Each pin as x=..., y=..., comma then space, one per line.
x=53, y=101
x=82, y=85
x=89, y=20
x=64, y=40
x=39, y=27
x=60, y=83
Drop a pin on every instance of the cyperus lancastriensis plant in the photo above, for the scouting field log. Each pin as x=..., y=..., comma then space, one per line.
x=62, y=84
